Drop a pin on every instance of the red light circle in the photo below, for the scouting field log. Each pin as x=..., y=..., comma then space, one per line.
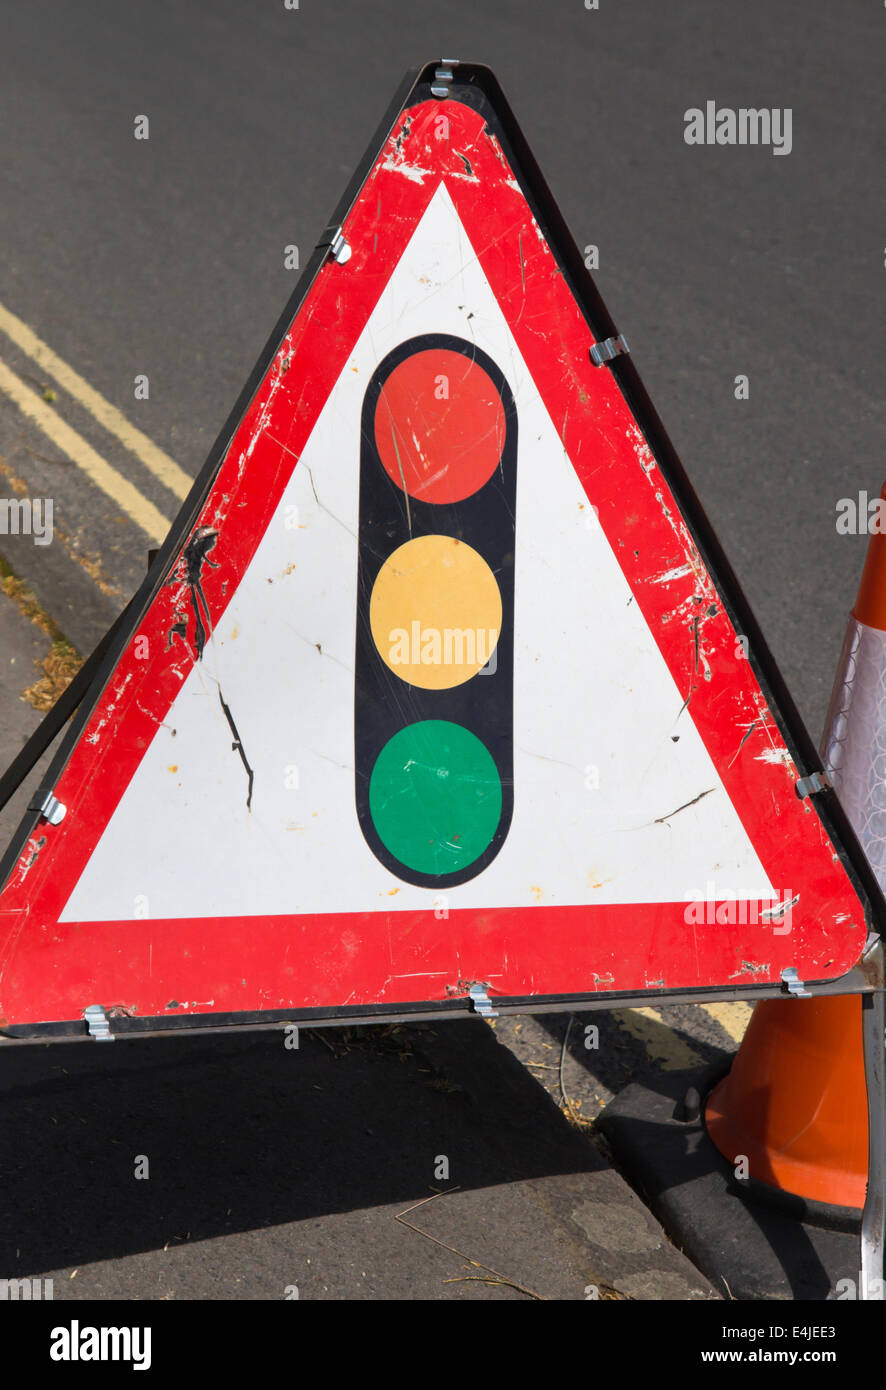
x=439, y=426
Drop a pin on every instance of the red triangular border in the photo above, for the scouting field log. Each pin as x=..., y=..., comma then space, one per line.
x=50, y=970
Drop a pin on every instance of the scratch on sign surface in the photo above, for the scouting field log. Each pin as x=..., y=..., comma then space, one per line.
x=660, y=820
x=237, y=747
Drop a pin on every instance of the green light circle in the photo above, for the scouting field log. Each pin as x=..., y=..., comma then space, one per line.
x=435, y=797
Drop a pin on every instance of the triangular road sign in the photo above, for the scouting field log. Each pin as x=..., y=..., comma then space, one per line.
x=441, y=678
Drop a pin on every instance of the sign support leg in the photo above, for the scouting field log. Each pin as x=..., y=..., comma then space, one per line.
x=873, y=1221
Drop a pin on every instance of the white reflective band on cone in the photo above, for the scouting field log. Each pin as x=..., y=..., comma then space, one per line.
x=853, y=749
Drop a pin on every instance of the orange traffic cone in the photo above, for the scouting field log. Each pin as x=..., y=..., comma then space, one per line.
x=794, y=1103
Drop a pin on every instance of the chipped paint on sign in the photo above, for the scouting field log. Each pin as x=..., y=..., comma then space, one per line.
x=413, y=172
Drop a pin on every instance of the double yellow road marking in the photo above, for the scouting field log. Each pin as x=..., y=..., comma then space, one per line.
x=121, y=491
x=666, y=1046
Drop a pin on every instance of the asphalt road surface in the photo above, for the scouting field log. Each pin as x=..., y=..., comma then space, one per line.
x=165, y=258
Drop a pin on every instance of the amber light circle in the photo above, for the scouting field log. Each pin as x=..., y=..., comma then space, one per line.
x=435, y=612
x=439, y=426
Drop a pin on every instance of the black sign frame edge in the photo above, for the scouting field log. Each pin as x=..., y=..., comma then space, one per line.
x=583, y=288
x=862, y=980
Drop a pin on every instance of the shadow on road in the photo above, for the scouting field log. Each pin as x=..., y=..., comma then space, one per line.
x=243, y=1133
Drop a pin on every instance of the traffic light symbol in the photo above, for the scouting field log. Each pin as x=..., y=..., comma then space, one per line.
x=434, y=672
